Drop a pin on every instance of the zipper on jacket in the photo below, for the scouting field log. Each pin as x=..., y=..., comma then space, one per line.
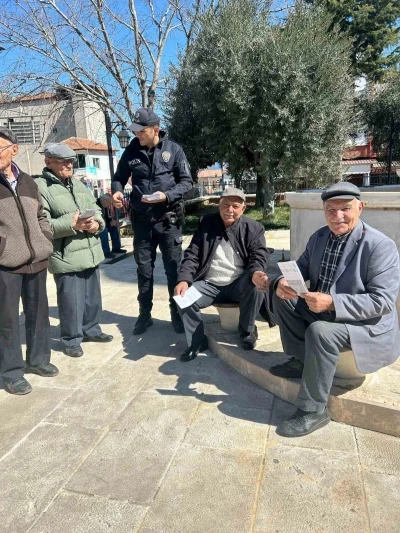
x=23, y=219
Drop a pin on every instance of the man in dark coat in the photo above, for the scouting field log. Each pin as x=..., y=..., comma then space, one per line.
x=226, y=261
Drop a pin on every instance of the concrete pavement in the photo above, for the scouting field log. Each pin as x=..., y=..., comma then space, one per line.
x=128, y=439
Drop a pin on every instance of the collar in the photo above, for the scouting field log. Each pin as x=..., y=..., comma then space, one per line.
x=15, y=170
x=340, y=237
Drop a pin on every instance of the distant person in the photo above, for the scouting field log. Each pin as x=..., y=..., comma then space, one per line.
x=25, y=245
x=226, y=261
x=354, y=276
x=158, y=167
x=77, y=249
x=111, y=230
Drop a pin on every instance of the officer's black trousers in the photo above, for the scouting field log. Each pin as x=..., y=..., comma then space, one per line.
x=147, y=237
x=32, y=289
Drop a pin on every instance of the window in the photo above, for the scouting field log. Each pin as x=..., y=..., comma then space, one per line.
x=80, y=161
x=96, y=162
x=27, y=132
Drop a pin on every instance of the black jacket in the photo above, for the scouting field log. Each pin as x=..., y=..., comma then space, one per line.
x=247, y=239
x=169, y=173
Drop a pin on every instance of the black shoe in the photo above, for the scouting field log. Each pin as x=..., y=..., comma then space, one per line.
x=73, y=351
x=143, y=322
x=46, y=371
x=303, y=423
x=189, y=354
x=103, y=337
x=109, y=255
x=17, y=386
x=248, y=340
x=177, y=323
x=119, y=251
x=291, y=369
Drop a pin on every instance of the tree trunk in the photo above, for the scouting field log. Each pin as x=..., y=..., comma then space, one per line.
x=260, y=191
x=269, y=198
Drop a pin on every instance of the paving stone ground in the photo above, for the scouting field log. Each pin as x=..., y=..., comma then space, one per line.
x=129, y=440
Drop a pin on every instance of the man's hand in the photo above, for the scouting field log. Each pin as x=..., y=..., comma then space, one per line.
x=81, y=224
x=114, y=223
x=283, y=290
x=162, y=198
x=181, y=288
x=260, y=280
x=318, y=302
x=117, y=199
x=93, y=227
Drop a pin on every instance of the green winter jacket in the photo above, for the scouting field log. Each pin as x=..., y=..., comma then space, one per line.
x=74, y=251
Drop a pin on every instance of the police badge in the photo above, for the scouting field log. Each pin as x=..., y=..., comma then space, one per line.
x=166, y=156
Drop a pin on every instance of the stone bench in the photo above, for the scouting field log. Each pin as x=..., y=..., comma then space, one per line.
x=346, y=367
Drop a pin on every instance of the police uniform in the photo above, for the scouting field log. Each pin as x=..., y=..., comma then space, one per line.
x=161, y=168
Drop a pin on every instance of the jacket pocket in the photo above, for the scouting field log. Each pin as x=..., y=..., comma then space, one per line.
x=2, y=245
x=380, y=328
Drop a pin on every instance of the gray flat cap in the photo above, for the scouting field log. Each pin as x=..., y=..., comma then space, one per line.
x=59, y=150
x=8, y=134
x=343, y=190
x=232, y=191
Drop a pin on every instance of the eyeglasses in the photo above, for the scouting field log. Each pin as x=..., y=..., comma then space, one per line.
x=5, y=148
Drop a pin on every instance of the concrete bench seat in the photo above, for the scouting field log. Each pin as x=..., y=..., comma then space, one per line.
x=346, y=368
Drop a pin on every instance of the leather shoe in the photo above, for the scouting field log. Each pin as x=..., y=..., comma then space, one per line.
x=73, y=351
x=119, y=251
x=46, y=371
x=103, y=337
x=292, y=369
x=248, y=340
x=302, y=423
x=190, y=353
x=17, y=386
x=143, y=322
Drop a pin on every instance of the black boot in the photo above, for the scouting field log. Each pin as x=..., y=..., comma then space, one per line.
x=176, y=320
x=143, y=322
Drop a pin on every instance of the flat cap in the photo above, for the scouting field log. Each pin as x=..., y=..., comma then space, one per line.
x=59, y=150
x=232, y=191
x=343, y=190
x=144, y=117
x=5, y=133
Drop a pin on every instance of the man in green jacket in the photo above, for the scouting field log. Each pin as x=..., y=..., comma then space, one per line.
x=76, y=222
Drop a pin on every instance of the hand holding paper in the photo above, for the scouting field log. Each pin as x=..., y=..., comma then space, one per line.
x=190, y=296
x=293, y=276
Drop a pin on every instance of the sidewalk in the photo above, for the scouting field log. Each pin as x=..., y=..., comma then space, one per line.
x=127, y=439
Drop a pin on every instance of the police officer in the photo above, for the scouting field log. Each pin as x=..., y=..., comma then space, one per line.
x=160, y=177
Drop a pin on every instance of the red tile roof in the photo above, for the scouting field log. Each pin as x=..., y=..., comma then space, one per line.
x=76, y=143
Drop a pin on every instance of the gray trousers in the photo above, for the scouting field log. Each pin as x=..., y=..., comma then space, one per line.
x=31, y=288
x=316, y=341
x=242, y=290
x=79, y=305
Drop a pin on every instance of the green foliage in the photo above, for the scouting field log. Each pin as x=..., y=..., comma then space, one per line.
x=382, y=115
x=280, y=220
x=373, y=26
x=274, y=100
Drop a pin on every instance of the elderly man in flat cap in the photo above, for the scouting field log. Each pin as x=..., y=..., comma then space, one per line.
x=226, y=261
x=25, y=245
x=354, y=276
x=76, y=222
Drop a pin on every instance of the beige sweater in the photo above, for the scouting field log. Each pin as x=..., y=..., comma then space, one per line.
x=226, y=265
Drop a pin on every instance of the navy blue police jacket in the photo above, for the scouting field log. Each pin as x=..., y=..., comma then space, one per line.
x=169, y=173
